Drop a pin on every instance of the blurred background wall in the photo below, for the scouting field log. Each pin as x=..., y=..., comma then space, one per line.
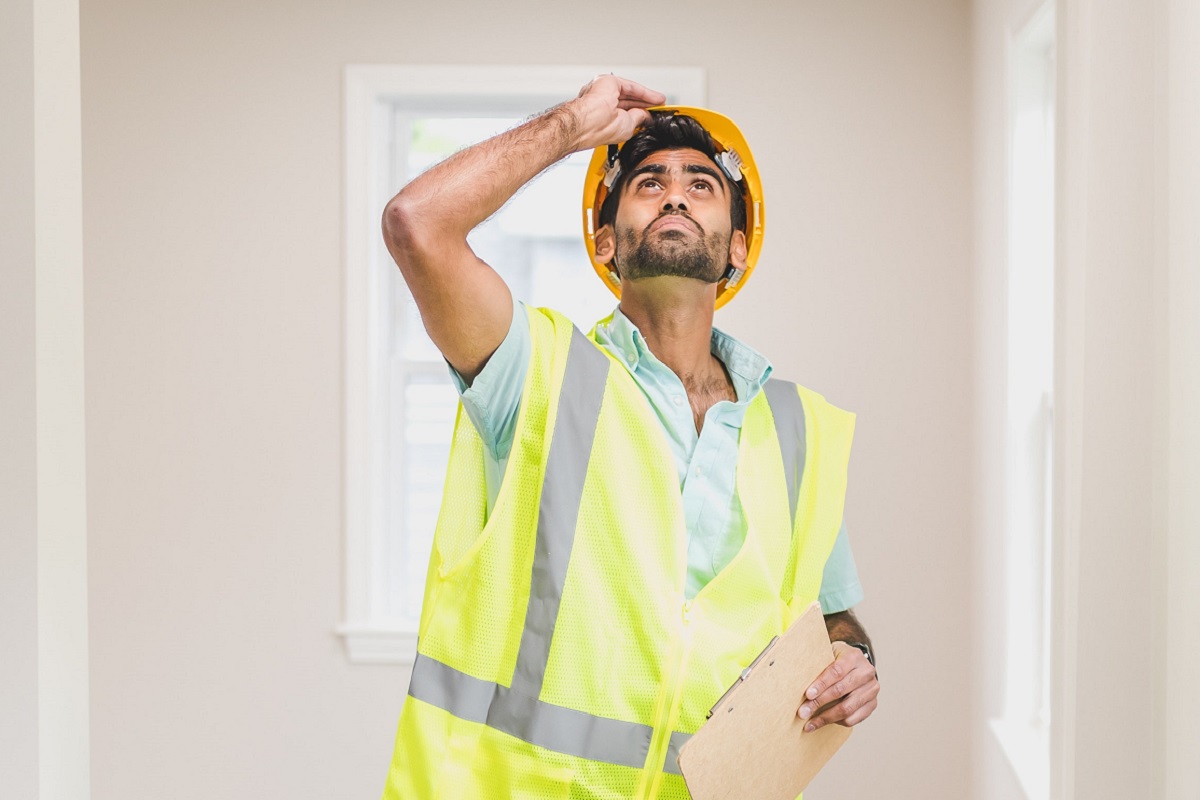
x=212, y=303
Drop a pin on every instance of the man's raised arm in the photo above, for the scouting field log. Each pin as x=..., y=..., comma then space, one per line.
x=465, y=305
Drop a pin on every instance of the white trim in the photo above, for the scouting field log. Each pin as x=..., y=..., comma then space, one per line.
x=1072, y=45
x=685, y=85
x=1181, y=734
x=1021, y=730
x=63, y=744
x=370, y=89
x=379, y=645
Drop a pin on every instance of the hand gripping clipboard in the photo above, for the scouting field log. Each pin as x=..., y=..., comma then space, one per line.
x=753, y=744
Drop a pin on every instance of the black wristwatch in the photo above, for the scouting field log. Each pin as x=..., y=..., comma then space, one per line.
x=866, y=651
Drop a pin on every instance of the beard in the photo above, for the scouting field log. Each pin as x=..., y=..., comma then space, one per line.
x=676, y=252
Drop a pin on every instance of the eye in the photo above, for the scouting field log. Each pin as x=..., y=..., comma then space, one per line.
x=703, y=185
x=648, y=183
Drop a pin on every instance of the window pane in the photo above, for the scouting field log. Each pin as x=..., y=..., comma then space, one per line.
x=429, y=406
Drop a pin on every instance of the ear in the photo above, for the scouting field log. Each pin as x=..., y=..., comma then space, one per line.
x=606, y=245
x=737, y=249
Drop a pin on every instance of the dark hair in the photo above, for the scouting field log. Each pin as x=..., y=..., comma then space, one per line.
x=667, y=130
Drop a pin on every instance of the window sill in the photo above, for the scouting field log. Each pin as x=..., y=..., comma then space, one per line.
x=1027, y=748
x=375, y=645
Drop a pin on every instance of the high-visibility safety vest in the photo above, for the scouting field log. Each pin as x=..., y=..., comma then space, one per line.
x=557, y=654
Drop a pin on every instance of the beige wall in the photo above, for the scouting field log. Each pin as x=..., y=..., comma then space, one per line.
x=1112, y=547
x=213, y=276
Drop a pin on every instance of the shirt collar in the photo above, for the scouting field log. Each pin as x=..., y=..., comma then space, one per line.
x=748, y=368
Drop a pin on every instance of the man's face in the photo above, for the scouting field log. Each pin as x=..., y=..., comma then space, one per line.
x=673, y=219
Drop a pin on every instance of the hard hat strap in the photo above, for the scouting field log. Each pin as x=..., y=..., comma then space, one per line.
x=612, y=168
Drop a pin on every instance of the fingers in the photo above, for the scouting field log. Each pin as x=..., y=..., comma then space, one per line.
x=849, y=670
x=629, y=94
x=845, y=692
x=625, y=105
x=634, y=92
x=609, y=109
x=850, y=710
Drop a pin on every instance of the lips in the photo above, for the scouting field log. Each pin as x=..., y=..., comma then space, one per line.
x=673, y=221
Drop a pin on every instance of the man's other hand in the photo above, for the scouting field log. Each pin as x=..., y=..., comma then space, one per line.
x=609, y=109
x=845, y=693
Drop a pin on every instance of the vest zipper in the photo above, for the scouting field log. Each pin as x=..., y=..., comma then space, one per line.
x=668, y=711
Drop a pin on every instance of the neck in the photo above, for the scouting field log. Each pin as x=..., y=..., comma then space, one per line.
x=675, y=318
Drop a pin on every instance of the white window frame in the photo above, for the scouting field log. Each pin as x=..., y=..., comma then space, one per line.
x=1023, y=729
x=370, y=91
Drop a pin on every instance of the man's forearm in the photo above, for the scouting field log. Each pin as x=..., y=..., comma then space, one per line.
x=464, y=303
x=843, y=626
x=450, y=199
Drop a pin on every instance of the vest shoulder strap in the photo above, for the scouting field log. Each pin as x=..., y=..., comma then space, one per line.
x=788, y=410
x=814, y=441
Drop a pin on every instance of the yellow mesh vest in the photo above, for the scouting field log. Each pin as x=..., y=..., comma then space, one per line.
x=557, y=655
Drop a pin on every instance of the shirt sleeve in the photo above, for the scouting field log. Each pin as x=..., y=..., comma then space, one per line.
x=840, y=589
x=494, y=397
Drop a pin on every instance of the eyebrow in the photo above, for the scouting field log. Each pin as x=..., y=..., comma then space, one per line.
x=660, y=169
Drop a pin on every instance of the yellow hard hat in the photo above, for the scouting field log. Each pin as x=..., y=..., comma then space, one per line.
x=735, y=160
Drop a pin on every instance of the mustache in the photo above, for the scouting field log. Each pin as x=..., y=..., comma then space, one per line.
x=682, y=214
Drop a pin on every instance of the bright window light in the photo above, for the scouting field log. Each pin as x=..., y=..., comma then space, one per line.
x=1023, y=731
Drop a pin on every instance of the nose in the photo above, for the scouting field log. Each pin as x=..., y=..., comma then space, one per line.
x=674, y=198
x=674, y=204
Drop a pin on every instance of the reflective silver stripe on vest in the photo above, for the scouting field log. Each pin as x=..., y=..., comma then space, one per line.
x=788, y=410
x=678, y=740
x=563, y=730
x=558, y=512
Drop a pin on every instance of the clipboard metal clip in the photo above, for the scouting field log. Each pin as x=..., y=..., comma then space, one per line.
x=745, y=674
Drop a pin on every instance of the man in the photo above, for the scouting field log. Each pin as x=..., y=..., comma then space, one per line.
x=631, y=516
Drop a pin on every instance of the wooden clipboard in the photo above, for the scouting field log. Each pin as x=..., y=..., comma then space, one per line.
x=753, y=744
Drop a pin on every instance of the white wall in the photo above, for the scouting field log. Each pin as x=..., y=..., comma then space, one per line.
x=213, y=299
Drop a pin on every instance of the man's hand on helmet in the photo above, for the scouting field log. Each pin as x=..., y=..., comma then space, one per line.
x=609, y=109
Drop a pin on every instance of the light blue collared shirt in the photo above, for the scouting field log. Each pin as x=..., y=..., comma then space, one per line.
x=706, y=461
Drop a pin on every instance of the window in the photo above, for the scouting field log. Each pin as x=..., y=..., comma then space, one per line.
x=400, y=403
x=1023, y=731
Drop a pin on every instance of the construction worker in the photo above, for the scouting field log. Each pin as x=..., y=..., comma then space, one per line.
x=629, y=515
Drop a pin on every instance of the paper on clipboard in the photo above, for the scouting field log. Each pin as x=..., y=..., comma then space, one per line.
x=754, y=745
